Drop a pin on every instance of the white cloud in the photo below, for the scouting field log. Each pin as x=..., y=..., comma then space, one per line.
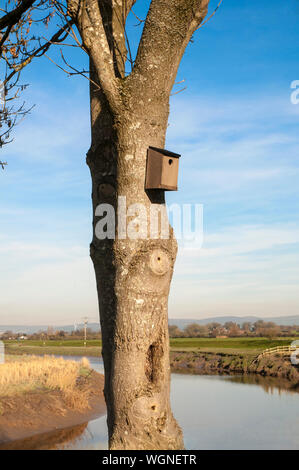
x=242, y=270
x=197, y=117
x=50, y=293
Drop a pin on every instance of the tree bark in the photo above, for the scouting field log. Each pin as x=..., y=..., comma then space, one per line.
x=129, y=114
x=133, y=279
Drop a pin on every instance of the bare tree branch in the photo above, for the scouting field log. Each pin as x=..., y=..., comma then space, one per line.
x=127, y=6
x=59, y=36
x=211, y=16
x=15, y=15
x=17, y=49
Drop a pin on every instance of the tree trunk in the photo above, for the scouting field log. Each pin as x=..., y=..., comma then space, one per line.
x=133, y=279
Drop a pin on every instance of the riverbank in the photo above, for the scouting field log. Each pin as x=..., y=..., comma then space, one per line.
x=209, y=363
x=190, y=355
x=27, y=410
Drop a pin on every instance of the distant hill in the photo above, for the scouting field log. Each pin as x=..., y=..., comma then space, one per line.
x=30, y=329
x=182, y=322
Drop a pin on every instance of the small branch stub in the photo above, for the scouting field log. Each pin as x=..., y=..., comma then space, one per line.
x=162, y=169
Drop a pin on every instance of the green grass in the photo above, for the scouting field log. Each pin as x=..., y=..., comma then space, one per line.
x=228, y=345
x=249, y=346
x=64, y=343
x=61, y=348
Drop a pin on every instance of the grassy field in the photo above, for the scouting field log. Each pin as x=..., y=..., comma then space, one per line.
x=62, y=348
x=250, y=346
x=66, y=343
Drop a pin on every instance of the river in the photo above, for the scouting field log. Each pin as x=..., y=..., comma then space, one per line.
x=215, y=412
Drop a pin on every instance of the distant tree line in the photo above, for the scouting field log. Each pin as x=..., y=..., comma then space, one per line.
x=231, y=330
x=51, y=334
x=194, y=330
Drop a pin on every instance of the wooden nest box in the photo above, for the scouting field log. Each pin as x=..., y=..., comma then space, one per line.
x=162, y=169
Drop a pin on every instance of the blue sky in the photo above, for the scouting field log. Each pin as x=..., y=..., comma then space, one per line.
x=237, y=131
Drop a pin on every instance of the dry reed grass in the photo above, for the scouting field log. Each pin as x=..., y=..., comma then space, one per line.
x=44, y=373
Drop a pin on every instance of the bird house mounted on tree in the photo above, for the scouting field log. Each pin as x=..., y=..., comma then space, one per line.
x=162, y=169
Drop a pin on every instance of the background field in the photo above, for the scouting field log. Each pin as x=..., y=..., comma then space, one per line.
x=250, y=346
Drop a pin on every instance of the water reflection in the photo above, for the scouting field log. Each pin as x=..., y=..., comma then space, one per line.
x=270, y=385
x=215, y=412
x=222, y=412
x=56, y=440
